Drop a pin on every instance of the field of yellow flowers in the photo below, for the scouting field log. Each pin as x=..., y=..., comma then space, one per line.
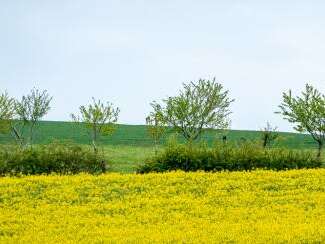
x=247, y=207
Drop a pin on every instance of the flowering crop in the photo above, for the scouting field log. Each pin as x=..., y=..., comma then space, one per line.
x=247, y=207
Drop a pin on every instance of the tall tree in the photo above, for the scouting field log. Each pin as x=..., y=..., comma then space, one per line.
x=199, y=105
x=99, y=119
x=307, y=113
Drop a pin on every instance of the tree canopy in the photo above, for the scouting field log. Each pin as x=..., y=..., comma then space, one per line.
x=204, y=104
x=307, y=113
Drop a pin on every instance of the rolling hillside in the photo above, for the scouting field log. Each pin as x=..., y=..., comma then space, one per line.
x=137, y=135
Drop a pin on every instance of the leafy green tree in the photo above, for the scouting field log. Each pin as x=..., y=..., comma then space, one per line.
x=156, y=125
x=7, y=112
x=199, y=105
x=99, y=119
x=29, y=111
x=307, y=112
x=269, y=134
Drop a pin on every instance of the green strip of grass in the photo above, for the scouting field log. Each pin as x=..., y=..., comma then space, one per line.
x=136, y=135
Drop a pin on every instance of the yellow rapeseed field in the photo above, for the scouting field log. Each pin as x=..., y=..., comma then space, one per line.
x=244, y=207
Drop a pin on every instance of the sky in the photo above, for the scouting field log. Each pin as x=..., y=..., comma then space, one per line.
x=131, y=52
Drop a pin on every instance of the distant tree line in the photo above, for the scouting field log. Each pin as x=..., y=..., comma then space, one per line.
x=200, y=105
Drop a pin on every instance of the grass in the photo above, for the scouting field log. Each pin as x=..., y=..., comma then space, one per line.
x=136, y=135
x=240, y=207
x=124, y=158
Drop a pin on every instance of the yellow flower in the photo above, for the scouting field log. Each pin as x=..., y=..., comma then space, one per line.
x=239, y=207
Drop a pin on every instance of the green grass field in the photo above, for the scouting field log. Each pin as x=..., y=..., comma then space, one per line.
x=130, y=135
x=125, y=159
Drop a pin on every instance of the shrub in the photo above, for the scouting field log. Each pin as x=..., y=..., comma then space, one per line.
x=245, y=156
x=62, y=158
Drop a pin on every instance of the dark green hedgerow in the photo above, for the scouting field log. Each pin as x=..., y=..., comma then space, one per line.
x=62, y=158
x=246, y=156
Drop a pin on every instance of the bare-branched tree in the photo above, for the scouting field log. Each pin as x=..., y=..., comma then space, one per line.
x=29, y=111
x=99, y=119
x=269, y=134
x=156, y=125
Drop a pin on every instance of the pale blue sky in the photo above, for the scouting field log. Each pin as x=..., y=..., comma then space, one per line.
x=133, y=52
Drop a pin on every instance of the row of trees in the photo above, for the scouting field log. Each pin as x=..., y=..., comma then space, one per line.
x=198, y=106
x=21, y=116
x=206, y=104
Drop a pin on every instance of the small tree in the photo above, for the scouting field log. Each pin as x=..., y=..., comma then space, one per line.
x=269, y=134
x=7, y=112
x=30, y=110
x=307, y=112
x=156, y=125
x=199, y=105
x=98, y=118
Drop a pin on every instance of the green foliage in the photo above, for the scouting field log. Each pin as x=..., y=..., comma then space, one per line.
x=62, y=158
x=245, y=156
x=7, y=112
x=199, y=105
x=307, y=112
x=98, y=118
x=29, y=111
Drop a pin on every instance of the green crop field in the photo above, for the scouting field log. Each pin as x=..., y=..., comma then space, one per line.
x=136, y=135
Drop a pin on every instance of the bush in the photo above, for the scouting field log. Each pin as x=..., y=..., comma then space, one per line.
x=62, y=158
x=246, y=156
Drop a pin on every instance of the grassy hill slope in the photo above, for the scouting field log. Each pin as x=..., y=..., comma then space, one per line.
x=137, y=135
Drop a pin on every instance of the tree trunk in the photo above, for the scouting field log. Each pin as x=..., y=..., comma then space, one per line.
x=17, y=136
x=31, y=135
x=156, y=146
x=265, y=141
x=95, y=147
x=95, y=140
x=320, y=147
